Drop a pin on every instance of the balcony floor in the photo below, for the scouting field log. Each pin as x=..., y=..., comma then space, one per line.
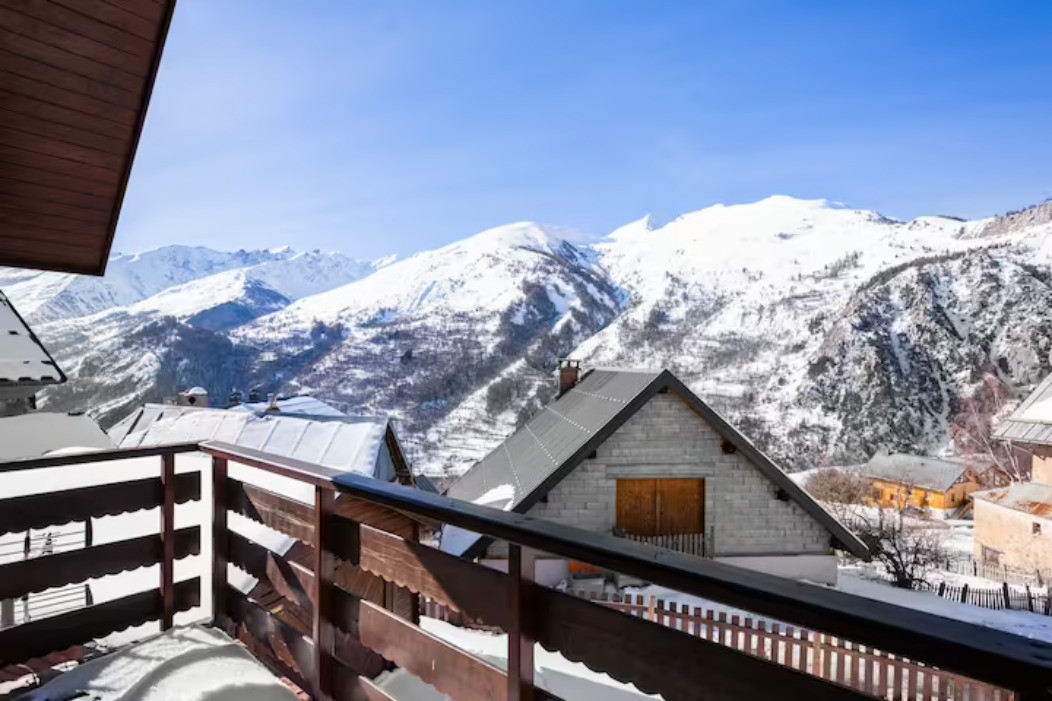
x=192, y=661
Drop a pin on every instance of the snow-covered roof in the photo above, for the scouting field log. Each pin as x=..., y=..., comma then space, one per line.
x=33, y=435
x=23, y=358
x=530, y=462
x=1034, y=498
x=917, y=470
x=305, y=405
x=1031, y=423
x=350, y=443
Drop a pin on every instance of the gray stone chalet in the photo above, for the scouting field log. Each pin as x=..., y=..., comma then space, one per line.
x=637, y=454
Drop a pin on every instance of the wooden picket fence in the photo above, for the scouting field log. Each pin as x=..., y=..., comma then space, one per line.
x=998, y=598
x=866, y=669
x=689, y=543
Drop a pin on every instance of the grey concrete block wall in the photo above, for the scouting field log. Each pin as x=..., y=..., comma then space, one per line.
x=667, y=439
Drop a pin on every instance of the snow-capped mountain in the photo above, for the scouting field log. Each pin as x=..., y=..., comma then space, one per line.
x=134, y=278
x=826, y=332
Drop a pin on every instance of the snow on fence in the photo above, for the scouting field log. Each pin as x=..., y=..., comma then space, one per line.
x=866, y=669
x=863, y=668
x=1002, y=597
x=998, y=573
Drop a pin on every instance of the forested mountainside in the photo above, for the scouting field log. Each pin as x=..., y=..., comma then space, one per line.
x=826, y=333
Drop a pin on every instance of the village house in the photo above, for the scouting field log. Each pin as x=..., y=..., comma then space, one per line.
x=637, y=454
x=1028, y=431
x=939, y=486
x=1013, y=524
x=1013, y=527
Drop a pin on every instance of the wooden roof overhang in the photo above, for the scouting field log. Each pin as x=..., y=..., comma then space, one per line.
x=75, y=81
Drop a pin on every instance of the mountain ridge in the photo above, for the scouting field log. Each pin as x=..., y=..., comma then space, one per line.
x=769, y=310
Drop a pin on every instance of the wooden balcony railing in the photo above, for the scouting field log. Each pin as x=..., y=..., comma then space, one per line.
x=342, y=604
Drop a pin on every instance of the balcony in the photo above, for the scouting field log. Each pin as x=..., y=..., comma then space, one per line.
x=343, y=604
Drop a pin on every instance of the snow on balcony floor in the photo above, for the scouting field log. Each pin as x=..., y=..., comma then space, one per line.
x=184, y=663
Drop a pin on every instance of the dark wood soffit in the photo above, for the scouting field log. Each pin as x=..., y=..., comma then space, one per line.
x=76, y=78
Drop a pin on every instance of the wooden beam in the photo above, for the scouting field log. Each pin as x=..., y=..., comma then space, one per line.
x=522, y=571
x=42, y=510
x=351, y=686
x=637, y=651
x=276, y=640
x=324, y=572
x=289, y=579
x=447, y=668
x=40, y=573
x=293, y=518
x=94, y=456
x=377, y=516
x=168, y=540
x=46, y=635
x=220, y=538
x=477, y=591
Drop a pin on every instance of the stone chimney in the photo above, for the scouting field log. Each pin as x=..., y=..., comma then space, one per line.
x=272, y=404
x=195, y=396
x=569, y=374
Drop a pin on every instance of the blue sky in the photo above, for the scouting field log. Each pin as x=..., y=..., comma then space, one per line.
x=375, y=128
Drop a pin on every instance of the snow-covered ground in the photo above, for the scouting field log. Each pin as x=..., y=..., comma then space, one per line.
x=1030, y=625
x=191, y=662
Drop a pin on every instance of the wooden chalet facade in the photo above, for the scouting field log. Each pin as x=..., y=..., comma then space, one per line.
x=638, y=455
x=937, y=485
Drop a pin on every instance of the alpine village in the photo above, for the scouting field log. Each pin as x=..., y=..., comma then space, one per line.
x=607, y=527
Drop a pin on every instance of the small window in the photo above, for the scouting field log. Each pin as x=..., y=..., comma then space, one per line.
x=1035, y=528
x=991, y=556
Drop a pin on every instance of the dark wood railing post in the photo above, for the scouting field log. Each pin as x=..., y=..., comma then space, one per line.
x=220, y=541
x=522, y=567
x=168, y=540
x=324, y=573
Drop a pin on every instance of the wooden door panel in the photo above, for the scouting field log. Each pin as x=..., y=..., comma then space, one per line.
x=680, y=506
x=636, y=513
x=649, y=507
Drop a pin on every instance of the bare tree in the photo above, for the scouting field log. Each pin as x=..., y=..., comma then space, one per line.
x=972, y=432
x=908, y=548
x=840, y=486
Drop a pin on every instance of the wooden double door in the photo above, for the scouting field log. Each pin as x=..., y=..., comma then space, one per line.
x=649, y=507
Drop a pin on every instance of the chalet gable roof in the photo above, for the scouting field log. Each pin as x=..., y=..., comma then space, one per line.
x=1031, y=422
x=530, y=462
x=367, y=445
x=24, y=362
x=916, y=470
x=1033, y=498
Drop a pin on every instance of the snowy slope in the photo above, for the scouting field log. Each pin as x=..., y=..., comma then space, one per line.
x=133, y=278
x=479, y=275
x=825, y=332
